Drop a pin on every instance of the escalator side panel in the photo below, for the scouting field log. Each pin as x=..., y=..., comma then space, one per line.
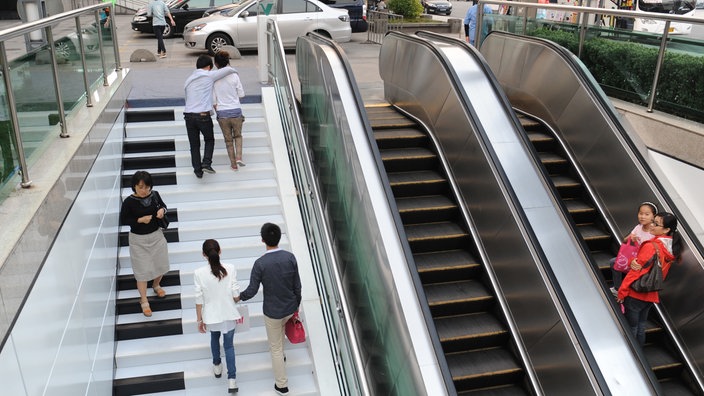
x=539, y=321
x=606, y=154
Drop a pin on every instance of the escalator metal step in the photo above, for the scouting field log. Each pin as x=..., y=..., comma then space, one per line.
x=455, y=298
x=551, y=158
x=427, y=182
x=387, y=117
x=530, y=124
x=590, y=232
x=469, y=332
x=426, y=208
x=446, y=266
x=664, y=364
x=397, y=138
x=483, y=368
x=504, y=390
x=565, y=182
x=408, y=159
x=444, y=235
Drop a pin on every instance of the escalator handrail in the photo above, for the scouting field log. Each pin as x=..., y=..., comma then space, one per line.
x=417, y=284
x=600, y=98
x=344, y=307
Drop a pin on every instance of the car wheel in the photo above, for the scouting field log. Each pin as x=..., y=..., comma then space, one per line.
x=323, y=33
x=169, y=31
x=65, y=49
x=217, y=41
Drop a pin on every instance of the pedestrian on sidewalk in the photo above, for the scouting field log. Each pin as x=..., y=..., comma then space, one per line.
x=197, y=112
x=216, y=288
x=227, y=93
x=277, y=271
x=159, y=11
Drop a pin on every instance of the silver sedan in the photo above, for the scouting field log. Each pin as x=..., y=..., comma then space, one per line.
x=238, y=27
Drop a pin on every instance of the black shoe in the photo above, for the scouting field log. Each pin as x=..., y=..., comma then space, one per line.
x=199, y=174
x=208, y=169
x=281, y=391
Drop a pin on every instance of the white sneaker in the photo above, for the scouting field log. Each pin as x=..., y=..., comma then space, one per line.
x=232, y=386
x=217, y=370
x=614, y=292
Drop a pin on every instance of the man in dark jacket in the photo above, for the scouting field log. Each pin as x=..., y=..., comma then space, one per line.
x=277, y=271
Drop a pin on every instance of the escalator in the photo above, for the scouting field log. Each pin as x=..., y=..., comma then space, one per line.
x=475, y=339
x=666, y=363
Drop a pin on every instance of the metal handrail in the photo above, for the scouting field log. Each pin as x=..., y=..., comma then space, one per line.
x=308, y=198
x=584, y=13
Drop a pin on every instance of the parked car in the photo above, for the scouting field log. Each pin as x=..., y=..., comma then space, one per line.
x=222, y=8
x=67, y=46
x=436, y=6
x=183, y=11
x=356, y=10
x=238, y=27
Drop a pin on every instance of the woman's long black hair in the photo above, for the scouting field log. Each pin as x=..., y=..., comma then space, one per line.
x=670, y=221
x=211, y=249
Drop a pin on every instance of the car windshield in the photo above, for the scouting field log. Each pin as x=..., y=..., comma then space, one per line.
x=243, y=5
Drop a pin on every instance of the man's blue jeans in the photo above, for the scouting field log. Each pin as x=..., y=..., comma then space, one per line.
x=229, y=347
x=195, y=125
x=636, y=315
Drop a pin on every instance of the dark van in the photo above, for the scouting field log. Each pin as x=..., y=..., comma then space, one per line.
x=358, y=21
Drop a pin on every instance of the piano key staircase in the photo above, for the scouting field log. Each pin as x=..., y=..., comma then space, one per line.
x=164, y=354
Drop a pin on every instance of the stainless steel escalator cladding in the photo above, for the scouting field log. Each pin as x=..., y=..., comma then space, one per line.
x=549, y=83
x=483, y=109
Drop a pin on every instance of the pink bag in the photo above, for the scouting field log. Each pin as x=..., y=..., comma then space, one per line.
x=626, y=254
x=294, y=330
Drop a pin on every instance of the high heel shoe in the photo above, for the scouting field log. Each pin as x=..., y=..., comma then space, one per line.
x=146, y=309
x=161, y=293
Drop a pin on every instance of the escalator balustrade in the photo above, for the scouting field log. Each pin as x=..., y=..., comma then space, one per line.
x=665, y=362
x=472, y=331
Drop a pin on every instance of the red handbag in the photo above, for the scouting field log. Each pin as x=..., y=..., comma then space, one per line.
x=294, y=330
x=626, y=254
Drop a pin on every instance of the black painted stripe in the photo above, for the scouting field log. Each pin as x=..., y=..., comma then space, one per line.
x=127, y=282
x=171, y=235
x=148, y=384
x=148, y=146
x=149, y=115
x=148, y=329
x=131, y=305
x=159, y=179
x=149, y=162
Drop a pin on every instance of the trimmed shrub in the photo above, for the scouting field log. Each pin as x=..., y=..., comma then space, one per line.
x=408, y=8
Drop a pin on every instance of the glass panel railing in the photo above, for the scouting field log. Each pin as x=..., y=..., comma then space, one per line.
x=622, y=51
x=51, y=64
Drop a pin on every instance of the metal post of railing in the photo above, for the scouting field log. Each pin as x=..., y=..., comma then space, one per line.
x=89, y=99
x=101, y=49
x=479, y=27
x=525, y=20
x=658, y=66
x=584, y=20
x=115, y=45
x=12, y=110
x=57, y=85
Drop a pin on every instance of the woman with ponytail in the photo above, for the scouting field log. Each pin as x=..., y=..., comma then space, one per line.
x=216, y=288
x=667, y=244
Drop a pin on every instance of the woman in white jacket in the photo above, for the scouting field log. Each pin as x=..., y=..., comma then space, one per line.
x=216, y=288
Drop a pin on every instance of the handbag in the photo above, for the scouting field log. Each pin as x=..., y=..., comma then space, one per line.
x=294, y=329
x=651, y=280
x=626, y=253
x=163, y=222
x=243, y=322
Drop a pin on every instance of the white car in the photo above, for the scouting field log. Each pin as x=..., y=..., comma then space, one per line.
x=238, y=26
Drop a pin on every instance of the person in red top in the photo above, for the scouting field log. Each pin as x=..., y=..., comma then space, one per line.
x=668, y=244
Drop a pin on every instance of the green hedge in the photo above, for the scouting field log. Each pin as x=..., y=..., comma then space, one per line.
x=626, y=69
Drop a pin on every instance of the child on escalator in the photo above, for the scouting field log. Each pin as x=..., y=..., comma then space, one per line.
x=639, y=234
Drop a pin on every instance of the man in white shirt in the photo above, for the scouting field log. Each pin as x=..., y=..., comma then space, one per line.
x=199, y=104
x=226, y=94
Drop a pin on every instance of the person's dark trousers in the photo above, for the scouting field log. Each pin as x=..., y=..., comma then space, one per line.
x=637, y=315
x=159, y=32
x=195, y=125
